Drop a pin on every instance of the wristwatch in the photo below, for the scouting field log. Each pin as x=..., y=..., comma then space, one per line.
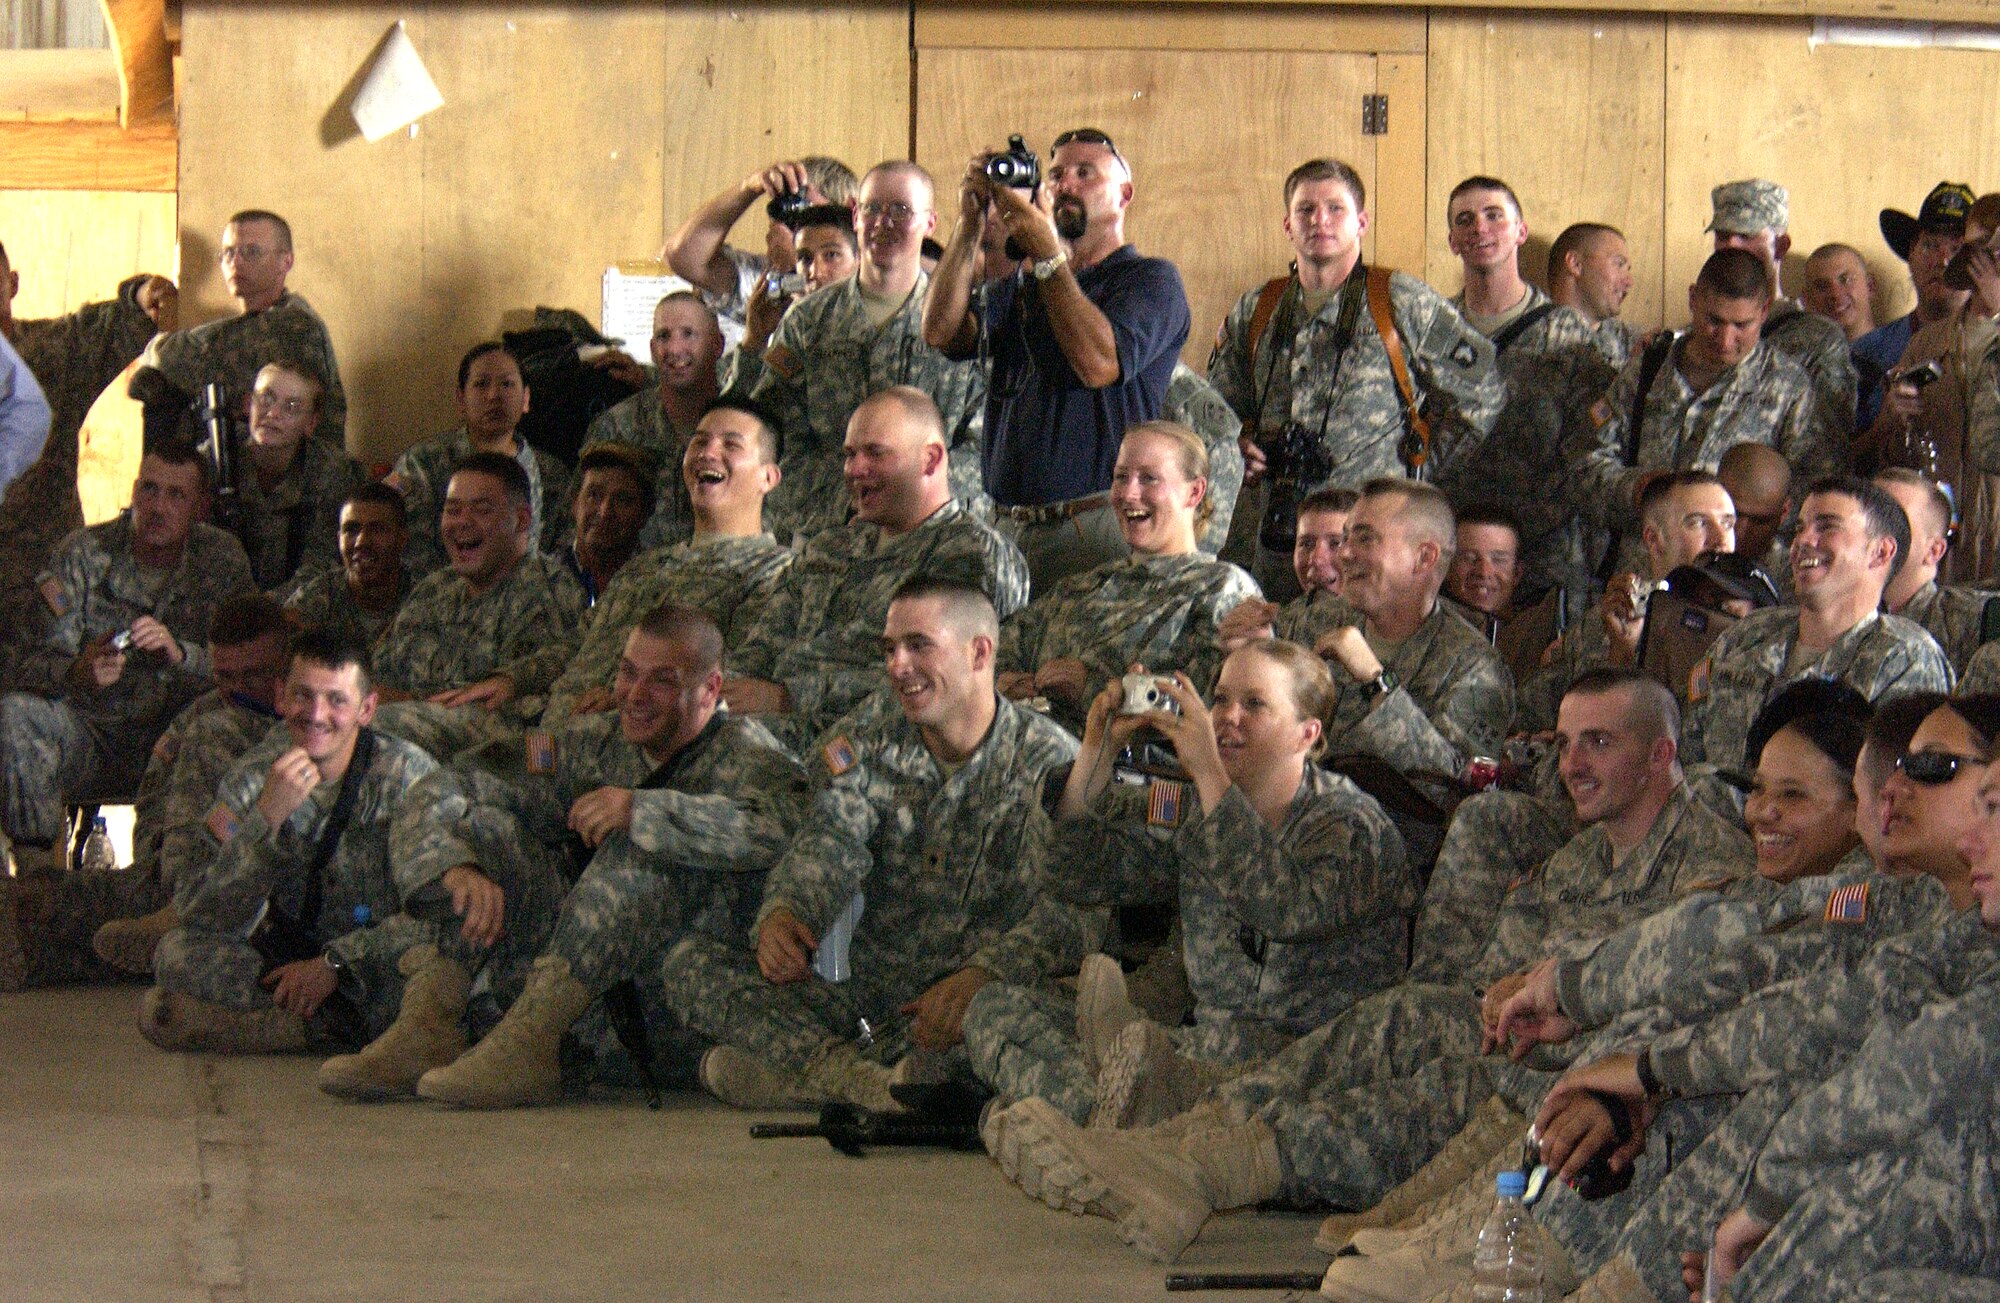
x=1048, y=267
x=1381, y=685
x=337, y=964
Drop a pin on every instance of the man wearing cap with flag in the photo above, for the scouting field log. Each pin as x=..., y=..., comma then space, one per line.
x=1926, y=242
x=1755, y=215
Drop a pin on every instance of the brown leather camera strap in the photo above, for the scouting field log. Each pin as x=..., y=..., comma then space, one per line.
x=1267, y=308
x=1419, y=450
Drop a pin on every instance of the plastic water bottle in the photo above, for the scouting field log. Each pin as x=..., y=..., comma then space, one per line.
x=1507, y=1263
x=97, y=855
x=830, y=960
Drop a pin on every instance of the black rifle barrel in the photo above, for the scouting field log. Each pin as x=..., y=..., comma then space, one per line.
x=1183, y=1281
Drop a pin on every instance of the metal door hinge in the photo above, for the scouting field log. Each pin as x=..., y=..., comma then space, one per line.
x=1374, y=115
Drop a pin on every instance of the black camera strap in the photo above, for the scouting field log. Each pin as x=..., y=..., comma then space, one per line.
x=1650, y=362
x=1520, y=326
x=336, y=824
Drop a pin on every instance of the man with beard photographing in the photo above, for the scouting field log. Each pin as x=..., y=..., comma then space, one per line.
x=1083, y=338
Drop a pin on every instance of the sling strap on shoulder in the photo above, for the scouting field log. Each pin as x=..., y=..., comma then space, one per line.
x=1521, y=325
x=336, y=825
x=1415, y=449
x=1268, y=299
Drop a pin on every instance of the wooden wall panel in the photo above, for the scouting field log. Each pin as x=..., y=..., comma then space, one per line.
x=1211, y=135
x=1847, y=131
x=1119, y=25
x=569, y=136
x=1566, y=110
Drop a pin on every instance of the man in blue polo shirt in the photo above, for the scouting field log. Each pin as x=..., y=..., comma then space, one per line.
x=1083, y=338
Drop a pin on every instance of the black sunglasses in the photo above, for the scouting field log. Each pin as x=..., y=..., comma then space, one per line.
x=1933, y=768
x=1089, y=136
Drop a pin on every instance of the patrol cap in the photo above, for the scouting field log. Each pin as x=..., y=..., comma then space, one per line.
x=1747, y=207
x=1944, y=209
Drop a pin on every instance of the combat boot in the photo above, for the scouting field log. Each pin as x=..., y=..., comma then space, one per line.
x=1103, y=1009
x=742, y=1080
x=1146, y=1079
x=1160, y=1189
x=174, y=1021
x=127, y=944
x=839, y=1072
x=425, y=1035
x=518, y=1063
x=1495, y=1128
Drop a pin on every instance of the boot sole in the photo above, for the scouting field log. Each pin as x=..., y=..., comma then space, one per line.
x=1158, y=1229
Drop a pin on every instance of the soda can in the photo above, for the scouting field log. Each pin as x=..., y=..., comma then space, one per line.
x=1481, y=773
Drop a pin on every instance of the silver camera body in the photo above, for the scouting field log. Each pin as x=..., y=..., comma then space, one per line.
x=784, y=285
x=121, y=640
x=1145, y=694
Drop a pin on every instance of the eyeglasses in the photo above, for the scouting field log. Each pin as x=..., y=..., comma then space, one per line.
x=888, y=214
x=264, y=400
x=1933, y=768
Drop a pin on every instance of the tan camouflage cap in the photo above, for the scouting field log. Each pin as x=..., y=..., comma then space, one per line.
x=1747, y=207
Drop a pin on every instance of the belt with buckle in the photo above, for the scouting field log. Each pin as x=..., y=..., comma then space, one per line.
x=1048, y=512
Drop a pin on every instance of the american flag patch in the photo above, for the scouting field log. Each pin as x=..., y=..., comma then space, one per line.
x=541, y=753
x=1849, y=904
x=839, y=755
x=221, y=823
x=1600, y=414
x=1163, y=805
x=52, y=593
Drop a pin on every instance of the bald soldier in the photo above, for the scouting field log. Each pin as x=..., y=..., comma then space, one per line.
x=813, y=650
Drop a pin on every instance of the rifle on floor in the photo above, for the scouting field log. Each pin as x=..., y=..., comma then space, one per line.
x=1184, y=1281
x=942, y=1116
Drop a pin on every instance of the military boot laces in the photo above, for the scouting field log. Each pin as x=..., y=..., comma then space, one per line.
x=840, y=1072
x=742, y=1080
x=519, y=1062
x=426, y=1034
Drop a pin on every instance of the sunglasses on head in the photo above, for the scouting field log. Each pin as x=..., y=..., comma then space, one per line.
x=1934, y=768
x=1088, y=136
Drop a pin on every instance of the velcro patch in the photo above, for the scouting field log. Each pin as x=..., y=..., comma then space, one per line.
x=1849, y=904
x=52, y=593
x=1600, y=414
x=839, y=755
x=1164, y=804
x=782, y=360
x=541, y=752
x=222, y=823
x=1698, y=681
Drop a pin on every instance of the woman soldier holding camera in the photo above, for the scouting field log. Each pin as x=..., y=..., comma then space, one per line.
x=1293, y=888
x=1159, y=605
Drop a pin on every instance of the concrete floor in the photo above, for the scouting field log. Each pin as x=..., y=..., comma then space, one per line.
x=128, y=1174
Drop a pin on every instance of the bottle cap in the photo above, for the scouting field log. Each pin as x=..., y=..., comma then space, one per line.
x=363, y=916
x=1512, y=1183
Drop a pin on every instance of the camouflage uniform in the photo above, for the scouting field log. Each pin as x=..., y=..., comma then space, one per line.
x=823, y=360
x=726, y=577
x=1546, y=367
x=1820, y=348
x=820, y=632
x=1160, y=611
x=177, y=789
x=1453, y=699
x=445, y=637
x=231, y=352
x=1953, y=616
x=1494, y=842
x=74, y=358
x=1282, y=928
x=324, y=601
x=1195, y=403
x=642, y=422
x=292, y=529
x=1746, y=666
x=694, y=859
x=54, y=739
x=1348, y=403
x=1983, y=673
x=1617, y=340
x=1766, y=398
x=1358, y=1104
x=423, y=473
x=950, y=866
x=207, y=957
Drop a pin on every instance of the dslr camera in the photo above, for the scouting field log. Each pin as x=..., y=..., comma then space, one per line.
x=788, y=209
x=1017, y=169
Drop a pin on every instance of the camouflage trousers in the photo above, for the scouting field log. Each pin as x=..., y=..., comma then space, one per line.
x=1494, y=839
x=629, y=909
x=222, y=968
x=59, y=913
x=1023, y=1042
x=1889, y=1208
x=1361, y=1103
x=1902, y=1284
x=47, y=751
x=717, y=990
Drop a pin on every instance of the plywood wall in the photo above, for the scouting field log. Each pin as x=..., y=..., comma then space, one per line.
x=573, y=136
x=569, y=135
